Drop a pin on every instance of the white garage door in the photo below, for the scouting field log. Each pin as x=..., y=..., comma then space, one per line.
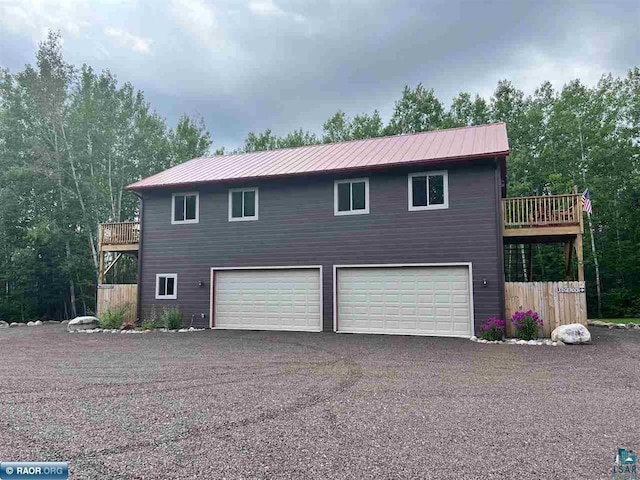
x=404, y=300
x=269, y=299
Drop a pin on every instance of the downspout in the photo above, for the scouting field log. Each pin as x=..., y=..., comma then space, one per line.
x=139, y=293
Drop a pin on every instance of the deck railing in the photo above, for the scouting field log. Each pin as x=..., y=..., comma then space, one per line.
x=121, y=233
x=543, y=211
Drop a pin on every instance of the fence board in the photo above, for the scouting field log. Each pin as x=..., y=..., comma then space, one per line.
x=558, y=303
x=117, y=295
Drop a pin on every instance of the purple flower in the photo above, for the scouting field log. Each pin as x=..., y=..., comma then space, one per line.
x=492, y=328
x=527, y=324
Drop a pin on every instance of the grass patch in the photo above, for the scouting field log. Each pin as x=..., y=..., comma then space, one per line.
x=617, y=320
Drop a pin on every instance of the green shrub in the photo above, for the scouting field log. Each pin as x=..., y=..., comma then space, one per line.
x=113, y=317
x=148, y=324
x=171, y=318
x=151, y=321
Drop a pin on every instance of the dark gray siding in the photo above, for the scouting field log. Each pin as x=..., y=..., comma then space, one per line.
x=297, y=227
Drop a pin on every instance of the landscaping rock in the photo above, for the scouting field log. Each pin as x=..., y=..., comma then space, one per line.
x=31, y=324
x=64, y=322
x=574, y=333
x=83, y=323
x=3, y=324
x=473, y=338
x=37, y=323
x=17, y=324
x=521, y=342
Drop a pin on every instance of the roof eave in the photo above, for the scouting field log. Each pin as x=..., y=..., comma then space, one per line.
x=435, y=162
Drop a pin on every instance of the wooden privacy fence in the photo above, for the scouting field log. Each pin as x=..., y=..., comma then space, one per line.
x=558, y=303
x=118, y=295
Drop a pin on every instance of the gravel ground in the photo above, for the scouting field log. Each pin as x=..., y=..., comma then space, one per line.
x=222, y=404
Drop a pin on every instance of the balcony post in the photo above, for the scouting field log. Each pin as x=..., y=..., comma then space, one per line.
x=579, y=257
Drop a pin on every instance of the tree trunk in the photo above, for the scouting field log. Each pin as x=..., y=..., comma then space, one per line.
x=88, y=225
x=597, y=265
x=72, y=290
x=593, y=243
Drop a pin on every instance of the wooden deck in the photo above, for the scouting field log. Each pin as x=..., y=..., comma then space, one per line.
x=545, y=217
x=115, y=240
x=119, y=237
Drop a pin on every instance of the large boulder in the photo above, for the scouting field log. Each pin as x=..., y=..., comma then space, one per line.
x=574, y=333
x=83, y=323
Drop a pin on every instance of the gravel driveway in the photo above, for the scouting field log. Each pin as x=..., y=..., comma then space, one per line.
x=223, y=404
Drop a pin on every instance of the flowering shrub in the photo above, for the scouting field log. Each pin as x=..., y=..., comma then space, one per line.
x=526, y=324
x=492, y=329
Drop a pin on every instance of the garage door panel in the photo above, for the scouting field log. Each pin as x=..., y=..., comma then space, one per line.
x=267, y=299
x=404, y=300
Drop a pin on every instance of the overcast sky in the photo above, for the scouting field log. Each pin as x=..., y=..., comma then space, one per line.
x=247, y=65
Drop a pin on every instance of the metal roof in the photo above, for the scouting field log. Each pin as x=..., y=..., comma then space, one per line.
x=466, y=143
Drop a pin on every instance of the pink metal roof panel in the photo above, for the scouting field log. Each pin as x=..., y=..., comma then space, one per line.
x=464, y=143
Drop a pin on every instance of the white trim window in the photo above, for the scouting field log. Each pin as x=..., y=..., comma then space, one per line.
x=166, y=286
x=185, y=208
x=428, y=190
x=243, y=204
x=351, y=197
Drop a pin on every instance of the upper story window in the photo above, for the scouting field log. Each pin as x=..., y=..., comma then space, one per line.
x=166, y=286
x=185, y=207
x=351, y=197
x=243, y=204
x=428, y=191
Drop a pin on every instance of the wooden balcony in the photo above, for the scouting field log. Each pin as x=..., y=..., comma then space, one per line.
x=547, y=217
x=119, y=237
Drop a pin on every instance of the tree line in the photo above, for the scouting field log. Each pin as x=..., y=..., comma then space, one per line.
x=71, y=139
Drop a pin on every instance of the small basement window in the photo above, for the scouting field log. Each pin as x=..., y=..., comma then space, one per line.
x=186, y=208
x=243, y=204
x=428, y=191
x=166, y=286
x=351, y=197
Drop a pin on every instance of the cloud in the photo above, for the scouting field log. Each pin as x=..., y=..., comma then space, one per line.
x=199, y=19
x=264, y=7
x=284, y=64
x=268, y=8
x=129, y=40
x=36, y=17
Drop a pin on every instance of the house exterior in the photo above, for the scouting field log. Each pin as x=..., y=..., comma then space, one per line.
x=393, y=235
